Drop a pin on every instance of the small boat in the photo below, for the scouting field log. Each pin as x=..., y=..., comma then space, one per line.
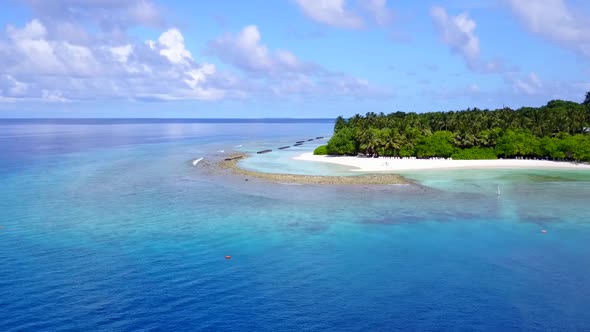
x=284, y=147
x=263, y=151
x=196, y=161
x=498, y=190
x=227, y=257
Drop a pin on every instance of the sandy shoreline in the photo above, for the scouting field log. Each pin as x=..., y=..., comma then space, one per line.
x=230, y=164
x=390, y=164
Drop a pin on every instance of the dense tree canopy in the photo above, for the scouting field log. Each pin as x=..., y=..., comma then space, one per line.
x=343, y=142
x=558, y=131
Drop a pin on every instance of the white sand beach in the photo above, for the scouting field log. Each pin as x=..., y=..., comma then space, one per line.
x=391, y=164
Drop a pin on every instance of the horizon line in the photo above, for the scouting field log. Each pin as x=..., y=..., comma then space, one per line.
x=154, y=118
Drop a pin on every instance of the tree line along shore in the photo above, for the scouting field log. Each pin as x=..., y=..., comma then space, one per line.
x=560, y=130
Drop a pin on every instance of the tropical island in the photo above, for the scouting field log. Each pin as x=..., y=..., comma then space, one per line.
x=558, y=131
x=556, y=135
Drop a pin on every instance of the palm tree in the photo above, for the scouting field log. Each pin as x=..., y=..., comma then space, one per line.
x=464, y=139
x=393, y=142
x=369, y=140
x=484, y=138
x=340, y=124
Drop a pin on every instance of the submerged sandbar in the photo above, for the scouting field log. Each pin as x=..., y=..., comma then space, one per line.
x=230, y=163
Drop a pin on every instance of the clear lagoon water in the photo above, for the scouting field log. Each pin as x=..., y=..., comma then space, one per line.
x=106, y=225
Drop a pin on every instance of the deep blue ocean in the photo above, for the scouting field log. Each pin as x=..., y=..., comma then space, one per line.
x=105, y=225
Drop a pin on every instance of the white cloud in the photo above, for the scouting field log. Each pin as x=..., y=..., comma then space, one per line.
x=198, y=76
x=35, y=52
x=548, y=17
x=106, y=15
x=535, y=80
x=555, y=21
x=53, y=96
x=39, y=67
x=144, y=12
x=12, y=87
x=81, y=50
x=378, y=10
x=530, y=85
x=282, y=73
x=330, y=12
x=32, y=30
x=459, y=33
x=172, y=47
x=357, y=15
x=245, y=51
x=121, y=53
x=79, y=59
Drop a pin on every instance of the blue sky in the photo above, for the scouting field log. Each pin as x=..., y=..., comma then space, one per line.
x=287, y=58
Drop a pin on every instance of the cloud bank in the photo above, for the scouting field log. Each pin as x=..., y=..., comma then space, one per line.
x=555, y=21
x=79, y=50
x=281, y=73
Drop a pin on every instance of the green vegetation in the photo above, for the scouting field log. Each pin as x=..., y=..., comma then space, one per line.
x=321, y=150
x=343, y=142
x=559, y=130
x=475, y=153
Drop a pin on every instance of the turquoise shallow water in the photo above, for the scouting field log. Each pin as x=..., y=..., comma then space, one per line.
x=109, y=227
